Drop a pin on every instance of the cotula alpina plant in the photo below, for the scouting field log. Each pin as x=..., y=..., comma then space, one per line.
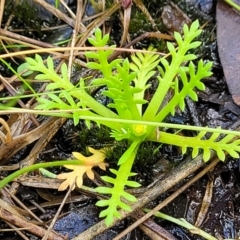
x=129, y=115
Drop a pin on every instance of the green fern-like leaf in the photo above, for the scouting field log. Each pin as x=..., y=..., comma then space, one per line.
x=101, y=56
x=227, y=144
x=122, y=92
x=48, y=73
x=117, y=192
x=115, y=202
x=189, y=84
x=72, y=94
x=169, y=72
x=144, y=64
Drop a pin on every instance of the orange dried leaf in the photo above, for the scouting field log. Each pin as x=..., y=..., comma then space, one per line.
x=76, y=176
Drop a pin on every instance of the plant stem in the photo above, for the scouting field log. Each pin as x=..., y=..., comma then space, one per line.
x=16, y=174
x=93, y=104
x=182, y=222
x=161, y=124
x=164, y=85
x=233, y=4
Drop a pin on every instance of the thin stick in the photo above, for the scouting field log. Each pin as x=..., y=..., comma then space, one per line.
x=2, y=4
x=81, y=49
x=57, y=213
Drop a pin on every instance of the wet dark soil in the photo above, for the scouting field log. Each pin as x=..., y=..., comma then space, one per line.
x=222, y=218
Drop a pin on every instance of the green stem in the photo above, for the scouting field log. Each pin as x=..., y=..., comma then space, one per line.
x=117, y=125
x=174, y=102
x=57, y=3
x=171, y=71
x=129, y=152
x=182, y=222
x=164, y=125
x=161, y=92
x=16, y=174
x=19, y=76
x=233, y=4
x=164, y=84
x=182, y=141
x=93, y=104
